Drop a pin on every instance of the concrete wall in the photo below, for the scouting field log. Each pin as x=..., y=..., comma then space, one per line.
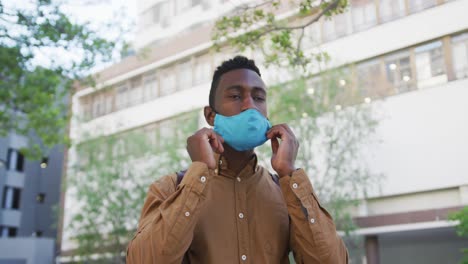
x=424, y=143
x=27, y=250
x=401, y=33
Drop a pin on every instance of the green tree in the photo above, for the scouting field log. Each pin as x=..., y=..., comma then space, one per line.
x=462, y=228
x=261, y=27
x=42, y=52
x=110, y=182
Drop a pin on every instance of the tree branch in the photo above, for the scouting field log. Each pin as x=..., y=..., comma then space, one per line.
x=302, y=27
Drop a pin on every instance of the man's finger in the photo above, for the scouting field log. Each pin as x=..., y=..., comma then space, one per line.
x=274, y=145
x=276, y=131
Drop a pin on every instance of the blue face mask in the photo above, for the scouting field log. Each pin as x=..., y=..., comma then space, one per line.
x=244, y=131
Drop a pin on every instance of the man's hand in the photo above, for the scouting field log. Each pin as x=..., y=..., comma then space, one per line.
x=201, y=145
x=284, y=153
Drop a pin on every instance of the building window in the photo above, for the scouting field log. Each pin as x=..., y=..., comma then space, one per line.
x=11, y=197
x=37, y=233
x=40, y=197
x=166, y=11
x=86, y=106
x=150, y=86
x=369, y=79
x=121, y=99
x=108, y=102
x=400, y=77
x=418, y=5
x=460, y=55
x=311, y=36
x=364, y=14
x=6, y=231
x=336, y=27
x=391, y=9
x=15, y=160
x=98, y=105
x=168, y=82
x=185, y=75
x=430, y=68
x=183, y=5
x=202, y=71
x=135, y=92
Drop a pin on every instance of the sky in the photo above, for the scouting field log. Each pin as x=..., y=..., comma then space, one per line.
x=99, y=12
x=120, y=13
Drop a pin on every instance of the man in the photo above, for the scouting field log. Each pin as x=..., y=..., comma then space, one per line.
x=226, y=208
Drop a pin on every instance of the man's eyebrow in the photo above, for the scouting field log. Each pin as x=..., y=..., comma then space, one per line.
x=239, y=87
x=259, y=89
x=234, y=87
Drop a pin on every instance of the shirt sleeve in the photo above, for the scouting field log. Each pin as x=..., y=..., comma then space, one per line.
x=313, y=236
x=168, y=217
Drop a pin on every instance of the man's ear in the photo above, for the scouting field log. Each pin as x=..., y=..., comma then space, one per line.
x=209, y=115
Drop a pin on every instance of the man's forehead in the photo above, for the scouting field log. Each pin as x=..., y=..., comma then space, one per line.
x=241, y=78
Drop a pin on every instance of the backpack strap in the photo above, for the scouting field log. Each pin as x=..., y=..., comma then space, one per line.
x=275, y=178
x=180, y=176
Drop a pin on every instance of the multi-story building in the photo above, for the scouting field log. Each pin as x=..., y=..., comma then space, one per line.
x=411, y=55
x=30, y=193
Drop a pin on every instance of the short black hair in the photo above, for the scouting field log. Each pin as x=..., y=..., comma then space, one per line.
x=238, y=62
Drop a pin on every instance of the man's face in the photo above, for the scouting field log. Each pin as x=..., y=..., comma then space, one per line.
x=239, y=90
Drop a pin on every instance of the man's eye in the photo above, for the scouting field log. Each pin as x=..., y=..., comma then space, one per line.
x=261, y=99
x=234, y=96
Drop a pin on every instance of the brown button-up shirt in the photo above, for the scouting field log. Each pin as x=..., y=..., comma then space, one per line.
x=218, y=216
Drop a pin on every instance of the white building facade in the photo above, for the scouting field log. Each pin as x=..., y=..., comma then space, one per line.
x=412, y=53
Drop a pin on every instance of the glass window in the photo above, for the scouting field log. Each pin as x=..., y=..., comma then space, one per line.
x=98, y=105
x=86, y=107
x=168, y=82
x=460, y=55
x=109, y=102
x=183, y=5
x=121, y=99
x=311, y=35
x=391, y=9
x=166, y=11
x=364, y=14
x=430, y=67
x=336, y=27
x=15, y=160
x=184, y=76
x=370, y=79
x=150, y=86
x=418, y=5
x=147, y=18
x=6, y=231
x=136, y=91
x=399, y=73
x=202, y=70
x=11, y=197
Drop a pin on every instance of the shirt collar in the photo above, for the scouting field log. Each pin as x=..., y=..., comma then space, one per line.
x=222, y=167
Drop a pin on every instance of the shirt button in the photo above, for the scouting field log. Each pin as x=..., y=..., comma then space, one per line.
x=187, y=214
x=241, y=215
x=244, y=257
x=312, y=220
x=238, y=179
x=203, y=179
x=295, y=185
